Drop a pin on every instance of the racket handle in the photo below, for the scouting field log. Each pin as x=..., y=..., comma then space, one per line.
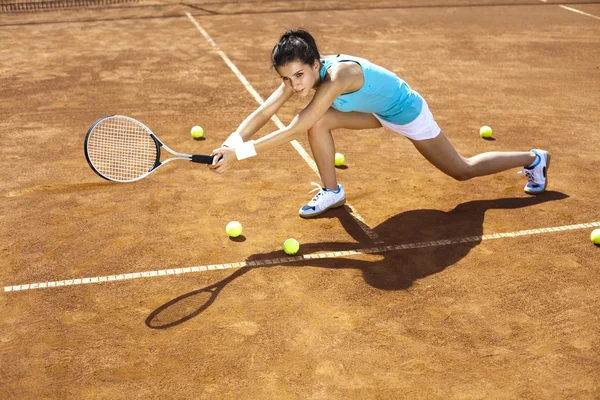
x=202, y=159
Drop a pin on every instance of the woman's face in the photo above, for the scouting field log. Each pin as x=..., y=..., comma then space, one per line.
x=300, y=77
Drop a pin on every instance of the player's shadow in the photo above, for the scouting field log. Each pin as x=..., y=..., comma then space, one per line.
x=396, y=271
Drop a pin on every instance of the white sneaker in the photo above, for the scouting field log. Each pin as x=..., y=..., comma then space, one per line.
x=537, y=173
x=323, y=201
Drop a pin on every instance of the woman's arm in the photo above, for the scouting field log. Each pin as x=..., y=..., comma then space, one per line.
x=345, y=77
x=262, y=114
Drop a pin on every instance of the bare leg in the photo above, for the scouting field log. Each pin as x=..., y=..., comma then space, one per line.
x=321, y=139
x=323, y=150
x=440, y=152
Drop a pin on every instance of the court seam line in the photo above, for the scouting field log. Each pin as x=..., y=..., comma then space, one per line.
x=381, y=8
x=311, y=163
x=285, y=260
x=211, y=13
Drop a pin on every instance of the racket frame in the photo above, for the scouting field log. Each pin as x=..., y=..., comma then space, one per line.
x=197, y=158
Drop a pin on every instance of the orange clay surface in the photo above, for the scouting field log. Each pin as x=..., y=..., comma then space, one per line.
x=511, y=317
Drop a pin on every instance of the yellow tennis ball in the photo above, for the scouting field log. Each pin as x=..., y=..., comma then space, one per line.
x=234, y=229
x=339, y=159
x=291, y=246
x=197, y=132
x=595, y=236
x=485, y=132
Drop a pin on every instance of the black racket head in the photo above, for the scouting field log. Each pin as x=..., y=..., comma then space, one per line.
x=121, y=149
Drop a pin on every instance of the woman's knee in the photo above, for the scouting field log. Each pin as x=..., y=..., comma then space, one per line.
x=329, y=121
x=320, y=126
x=464, y=172
x=461, y=175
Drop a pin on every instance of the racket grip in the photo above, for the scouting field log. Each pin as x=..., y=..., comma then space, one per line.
x=202, y=159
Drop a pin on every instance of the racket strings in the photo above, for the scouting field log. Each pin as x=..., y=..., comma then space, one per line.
x=121, y=149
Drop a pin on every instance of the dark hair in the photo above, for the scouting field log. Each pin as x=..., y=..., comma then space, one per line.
x=295, y=44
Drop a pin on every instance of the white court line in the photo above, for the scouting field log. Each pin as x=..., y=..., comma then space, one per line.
x=574, y=10
x=361, y=222
x=284, y=260
x=578, y=12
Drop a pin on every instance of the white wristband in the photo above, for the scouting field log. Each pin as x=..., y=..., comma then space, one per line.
x=233, y=141
x=245, y=150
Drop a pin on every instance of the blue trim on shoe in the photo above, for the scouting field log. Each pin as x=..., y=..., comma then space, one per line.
x=339, y=187
x=538, y=159
x=533, y=187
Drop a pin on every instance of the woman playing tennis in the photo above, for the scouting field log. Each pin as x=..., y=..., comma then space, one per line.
x=354, y=93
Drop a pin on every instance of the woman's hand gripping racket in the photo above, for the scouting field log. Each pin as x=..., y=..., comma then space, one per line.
x=122, y=149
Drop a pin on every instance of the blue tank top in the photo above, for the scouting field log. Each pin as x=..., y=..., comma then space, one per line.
x=382, y=93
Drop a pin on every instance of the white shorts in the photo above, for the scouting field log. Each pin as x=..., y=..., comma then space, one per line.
x=422, y=128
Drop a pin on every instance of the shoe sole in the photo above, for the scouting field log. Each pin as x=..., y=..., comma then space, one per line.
x=336, y=205
x=546, y=183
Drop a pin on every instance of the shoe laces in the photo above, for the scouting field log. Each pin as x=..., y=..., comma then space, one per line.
x=319, y=194
x=529, y=174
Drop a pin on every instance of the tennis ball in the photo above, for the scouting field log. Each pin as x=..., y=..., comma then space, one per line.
x=339, y=159
x=234, y=229
x=595, y=236
x=291, y=246
x=197, y=132
x=485, y=132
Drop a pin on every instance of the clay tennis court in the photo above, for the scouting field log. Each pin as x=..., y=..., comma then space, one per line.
x=421, y=288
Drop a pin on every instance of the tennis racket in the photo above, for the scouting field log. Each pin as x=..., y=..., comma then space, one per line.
x=122, y=149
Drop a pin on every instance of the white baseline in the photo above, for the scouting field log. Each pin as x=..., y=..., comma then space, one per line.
x=285, y=260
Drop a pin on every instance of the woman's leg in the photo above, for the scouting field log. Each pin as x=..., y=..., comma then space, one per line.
x=321, y=140
x=440, y=152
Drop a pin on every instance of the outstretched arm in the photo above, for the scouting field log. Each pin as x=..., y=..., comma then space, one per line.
x=262, y=114
x=313, y=112
x=328, y=91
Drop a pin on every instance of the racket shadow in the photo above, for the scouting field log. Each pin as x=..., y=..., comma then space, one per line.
x=397, y=270
x=189, y=305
